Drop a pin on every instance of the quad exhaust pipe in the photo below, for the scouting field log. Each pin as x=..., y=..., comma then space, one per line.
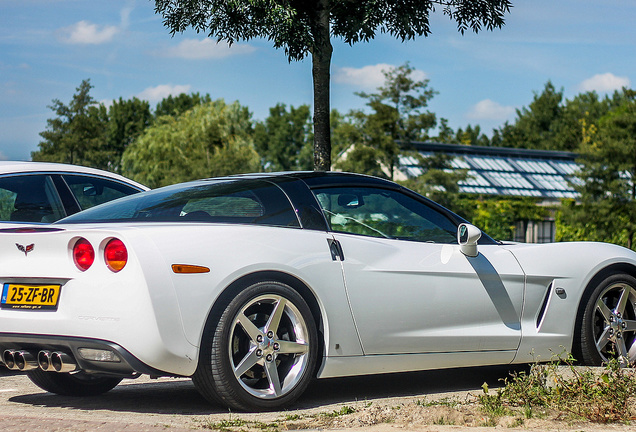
x=56, y=362
x=8, y=359
x=46, y=360
x=19, y=360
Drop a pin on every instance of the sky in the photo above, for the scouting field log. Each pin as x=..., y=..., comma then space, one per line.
x=47, y=47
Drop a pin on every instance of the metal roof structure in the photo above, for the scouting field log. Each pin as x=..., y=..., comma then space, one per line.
x=504, y=171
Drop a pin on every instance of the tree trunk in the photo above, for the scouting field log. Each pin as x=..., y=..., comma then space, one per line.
x=321, y=65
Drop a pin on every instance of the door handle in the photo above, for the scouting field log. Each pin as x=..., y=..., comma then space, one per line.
x=336, y=250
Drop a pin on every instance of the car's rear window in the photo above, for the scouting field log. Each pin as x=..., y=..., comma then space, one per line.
x=224, y=201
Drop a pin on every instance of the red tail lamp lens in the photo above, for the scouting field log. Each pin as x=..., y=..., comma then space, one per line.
x=83, y=254
x=116, y=255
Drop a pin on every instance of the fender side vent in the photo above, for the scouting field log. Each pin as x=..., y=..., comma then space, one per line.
x=544, y=305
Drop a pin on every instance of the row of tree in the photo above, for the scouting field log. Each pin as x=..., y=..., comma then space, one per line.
x=193, y=136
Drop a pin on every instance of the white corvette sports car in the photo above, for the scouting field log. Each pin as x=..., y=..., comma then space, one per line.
x=255, y=284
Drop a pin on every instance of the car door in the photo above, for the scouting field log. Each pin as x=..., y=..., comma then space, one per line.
x=410, y=288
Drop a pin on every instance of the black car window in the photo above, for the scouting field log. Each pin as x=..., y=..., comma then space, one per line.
x=226, y=201
x=91, y=191
x=29, y=198
x=384, y=213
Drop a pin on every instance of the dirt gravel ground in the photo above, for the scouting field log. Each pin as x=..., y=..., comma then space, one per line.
x=436, y=401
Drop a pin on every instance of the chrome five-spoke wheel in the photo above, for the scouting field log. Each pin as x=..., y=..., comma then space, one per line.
x=608, y=327
x=615, y=323
x=269, y=346
x=263, y=350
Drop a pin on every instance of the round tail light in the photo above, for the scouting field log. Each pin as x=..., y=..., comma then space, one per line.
x=83, y=254
x=115, y=255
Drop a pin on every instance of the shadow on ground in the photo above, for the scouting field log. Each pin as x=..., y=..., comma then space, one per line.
x=179, y=397
x=415, y=384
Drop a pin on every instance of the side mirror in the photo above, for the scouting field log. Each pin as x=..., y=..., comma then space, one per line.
x=94, y=189
x=350, y=201
x=467, y=236
x=90, y=191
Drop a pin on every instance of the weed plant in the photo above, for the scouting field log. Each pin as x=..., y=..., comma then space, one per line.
x=605, y=395
x=345, y=410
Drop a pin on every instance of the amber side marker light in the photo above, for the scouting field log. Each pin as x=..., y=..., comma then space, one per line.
x=187, y=268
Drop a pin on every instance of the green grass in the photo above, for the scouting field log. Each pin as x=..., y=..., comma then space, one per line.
x=240, y=424
x=345, y=410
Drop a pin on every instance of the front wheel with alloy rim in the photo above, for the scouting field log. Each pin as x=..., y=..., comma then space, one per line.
x=260, y=351
x=607, y=324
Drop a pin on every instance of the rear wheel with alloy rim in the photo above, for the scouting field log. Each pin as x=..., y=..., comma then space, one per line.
x=262, y=353
x=608, y=324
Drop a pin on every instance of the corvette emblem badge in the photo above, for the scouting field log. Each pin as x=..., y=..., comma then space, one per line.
x=25, y=249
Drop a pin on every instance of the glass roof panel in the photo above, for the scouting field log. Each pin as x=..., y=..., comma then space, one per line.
x=459, y=163
x=509, y=174
x=565, y=167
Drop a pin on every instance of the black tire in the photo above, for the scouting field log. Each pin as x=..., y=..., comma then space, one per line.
x=606, y=323
x=260, y=352
x=72, y=384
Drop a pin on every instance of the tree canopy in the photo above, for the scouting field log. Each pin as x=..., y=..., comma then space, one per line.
x=127, y=120
x=608, y=192
x=398, y=116
x=179, y=104
x=212, y=139
x=304, y=28
x=284, y=139
x=551, y=122
x=87, y=133
x=76, y=133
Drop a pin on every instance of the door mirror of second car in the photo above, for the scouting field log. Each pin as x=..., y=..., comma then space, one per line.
x=467, y=236
x=90, y=191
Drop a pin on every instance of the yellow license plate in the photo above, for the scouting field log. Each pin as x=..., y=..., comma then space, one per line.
x=29, y=296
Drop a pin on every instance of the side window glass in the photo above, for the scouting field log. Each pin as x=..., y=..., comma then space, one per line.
x=258, y=203
x=7, y=199
x=384, y=213
x=227, y=201
x=237, y=205
x=29, y=198
x=91, y=191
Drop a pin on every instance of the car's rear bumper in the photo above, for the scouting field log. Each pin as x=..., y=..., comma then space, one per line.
x=127, y=365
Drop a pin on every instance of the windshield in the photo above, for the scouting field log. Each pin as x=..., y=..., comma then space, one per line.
x=224, y=201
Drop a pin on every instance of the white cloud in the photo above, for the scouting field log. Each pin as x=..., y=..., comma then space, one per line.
x=155, y=94
x=369, y=77
x=194, y=49
x=125, y=17
x=86, y=33
x=490, y=110
x=603, y=83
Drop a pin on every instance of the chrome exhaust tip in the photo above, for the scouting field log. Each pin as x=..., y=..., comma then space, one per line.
x=8, y=358
x=62, y=362
x=44, y=360
x=25, y=361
